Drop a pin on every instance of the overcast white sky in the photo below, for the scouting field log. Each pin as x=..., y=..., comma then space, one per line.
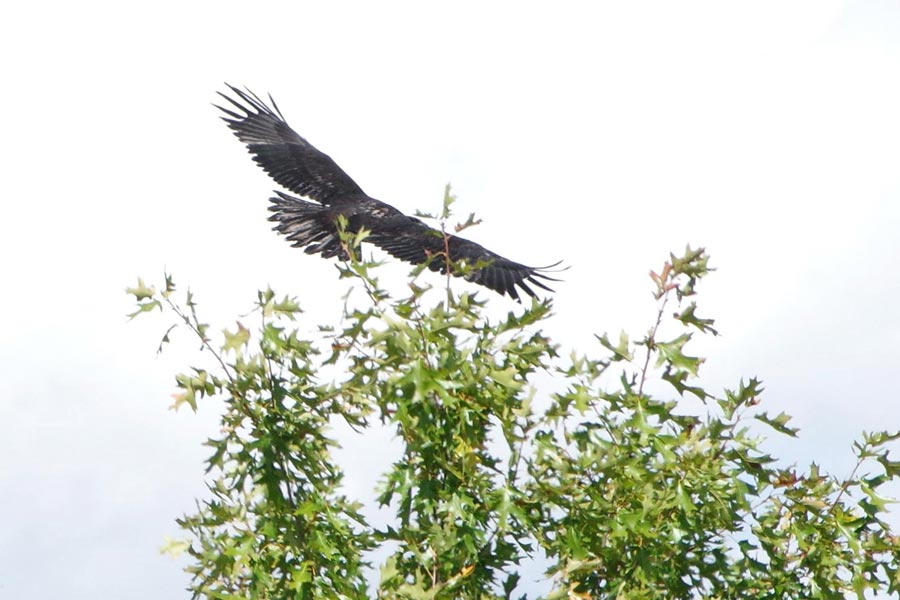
x=603, y=134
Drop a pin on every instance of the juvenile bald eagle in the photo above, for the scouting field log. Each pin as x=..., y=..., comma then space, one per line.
x=295, y=164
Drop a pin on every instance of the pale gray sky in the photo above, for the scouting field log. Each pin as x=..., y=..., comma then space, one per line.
x=604, y=134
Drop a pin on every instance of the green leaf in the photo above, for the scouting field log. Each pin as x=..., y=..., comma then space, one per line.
x=688, y=317
x=621, y=351
x=449, y=200
x=778, y=423
x=672, y=353
x=145, y=307
x=174, y=548
x=141, y=291
x=678, y=378
x=237, y=340
x=170, y=285
x=506, y=378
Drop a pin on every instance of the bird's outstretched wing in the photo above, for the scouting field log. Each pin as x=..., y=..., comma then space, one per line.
x=297, y=165
x=288, y=158
x=413, y=241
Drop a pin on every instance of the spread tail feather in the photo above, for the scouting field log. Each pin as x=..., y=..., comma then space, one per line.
x=307, y=225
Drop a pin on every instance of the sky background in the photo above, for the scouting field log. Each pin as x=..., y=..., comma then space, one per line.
x=602, y=134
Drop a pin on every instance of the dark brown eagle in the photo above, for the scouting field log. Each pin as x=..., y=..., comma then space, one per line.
x=295, y=164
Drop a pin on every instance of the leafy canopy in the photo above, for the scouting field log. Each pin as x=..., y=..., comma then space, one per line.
x=614, y=492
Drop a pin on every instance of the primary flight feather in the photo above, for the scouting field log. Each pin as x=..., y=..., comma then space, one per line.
x=299, y=167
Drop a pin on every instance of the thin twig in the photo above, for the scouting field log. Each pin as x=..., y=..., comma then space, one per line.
x=651, y=342
x=203, y=340
x=846, y=484
x=447, y=262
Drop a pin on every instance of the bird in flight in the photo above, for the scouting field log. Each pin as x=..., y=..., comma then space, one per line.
x=296, y=165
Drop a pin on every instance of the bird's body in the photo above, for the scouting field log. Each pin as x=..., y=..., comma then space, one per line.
x=312, y=225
